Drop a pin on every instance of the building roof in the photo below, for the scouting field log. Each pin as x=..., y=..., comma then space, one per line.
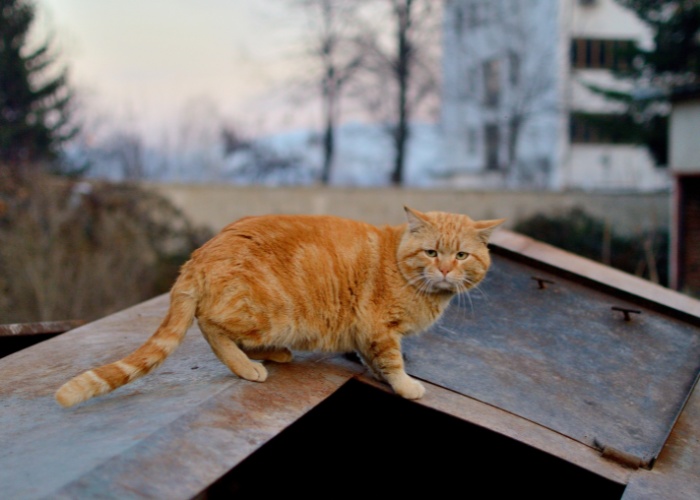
x=586, y=363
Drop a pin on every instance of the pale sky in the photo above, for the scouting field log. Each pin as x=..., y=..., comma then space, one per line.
x=146, y=59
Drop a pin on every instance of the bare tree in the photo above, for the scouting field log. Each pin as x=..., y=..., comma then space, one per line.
x=532, y=80
x=111, y=146
x=125, y=149
x=253, y=161
x=404, y=62
x=111, y=151
x=509, y=78
x=334, y=49
x=111, y=244
x=198, y=146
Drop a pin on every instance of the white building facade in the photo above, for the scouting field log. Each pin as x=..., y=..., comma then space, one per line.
x=516, y=110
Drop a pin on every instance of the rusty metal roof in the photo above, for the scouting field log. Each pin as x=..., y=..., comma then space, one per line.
x=17, y=336
x=545, y=361
x=598, y=367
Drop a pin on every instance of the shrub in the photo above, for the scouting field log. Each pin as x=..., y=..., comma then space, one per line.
x=644, y=254
x=80, y=250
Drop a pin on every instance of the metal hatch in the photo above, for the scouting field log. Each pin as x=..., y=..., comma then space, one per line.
x=605, y=368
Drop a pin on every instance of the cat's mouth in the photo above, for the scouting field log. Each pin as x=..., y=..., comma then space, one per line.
x=442, y=285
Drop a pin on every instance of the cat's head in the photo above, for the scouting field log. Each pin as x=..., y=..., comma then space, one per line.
x=442, y=252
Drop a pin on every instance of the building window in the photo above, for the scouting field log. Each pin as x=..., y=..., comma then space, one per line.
x=458, y=19
x=598, y=128
x=514, y=68
x=514, y=8
x=492, y=82
x=469, y=84
x=486, y=12
x=473, y=80
x=491, y=143
x=472, y=14
x=477, y=13
x=472, y=140
x=591, y=53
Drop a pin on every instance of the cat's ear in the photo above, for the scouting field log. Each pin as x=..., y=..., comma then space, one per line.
x=486, y=227
x=416, y=220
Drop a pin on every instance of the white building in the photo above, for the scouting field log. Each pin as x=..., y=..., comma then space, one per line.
x=515, y=110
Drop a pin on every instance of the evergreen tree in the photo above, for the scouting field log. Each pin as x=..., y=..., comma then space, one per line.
x=34, y=98
x=673, y=61
x=675, y=58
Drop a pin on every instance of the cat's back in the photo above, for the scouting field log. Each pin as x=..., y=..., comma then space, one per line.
x=303, y=271
x=300, y=241
x=292, y=232
x=296, y=229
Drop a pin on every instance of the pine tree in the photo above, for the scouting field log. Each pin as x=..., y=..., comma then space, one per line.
x=673, y=61
x=675, y=58
x=35, y=99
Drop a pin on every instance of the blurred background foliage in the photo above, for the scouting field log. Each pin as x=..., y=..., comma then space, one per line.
x=73, y=249
x=77, y=250
x=644, y=254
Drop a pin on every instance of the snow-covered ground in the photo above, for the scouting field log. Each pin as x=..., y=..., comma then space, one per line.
x=364, y=157
x=364, y=154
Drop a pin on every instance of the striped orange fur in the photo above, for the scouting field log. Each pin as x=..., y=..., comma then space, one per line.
x=268, y=285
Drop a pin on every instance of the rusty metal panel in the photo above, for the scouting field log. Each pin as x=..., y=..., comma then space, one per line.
x=555, y=350
x=42, y=328
x=552, y=350
x=676, y=473
x=17, y=336
x=168, y=435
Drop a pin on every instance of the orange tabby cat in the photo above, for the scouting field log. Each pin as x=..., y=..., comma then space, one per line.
x=267, y=285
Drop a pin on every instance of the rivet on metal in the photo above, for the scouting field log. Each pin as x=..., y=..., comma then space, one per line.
x=626, y=312
x=541, y=282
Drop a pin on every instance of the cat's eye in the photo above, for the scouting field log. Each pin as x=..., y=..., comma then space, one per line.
x=431, y=253
x=461, y=255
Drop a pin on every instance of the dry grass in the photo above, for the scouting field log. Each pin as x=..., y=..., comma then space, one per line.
x=81, y=250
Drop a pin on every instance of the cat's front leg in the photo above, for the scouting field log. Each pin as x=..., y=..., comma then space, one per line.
x=384, y=355
x=406, y=386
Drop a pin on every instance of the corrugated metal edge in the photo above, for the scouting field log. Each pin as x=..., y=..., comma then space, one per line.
x=516, y=427
x=594, y=271
x=42, y=328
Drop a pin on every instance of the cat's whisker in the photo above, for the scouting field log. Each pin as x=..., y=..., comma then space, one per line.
x=420, y=283
x=448, y=330
x=462, y=300
x=415, y=279
x=416, y=282
x=465, y=295
x=471, y=303
x=422, y=289
x=479, y=289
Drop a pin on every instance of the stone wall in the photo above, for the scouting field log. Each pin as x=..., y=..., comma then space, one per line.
x=217, y=205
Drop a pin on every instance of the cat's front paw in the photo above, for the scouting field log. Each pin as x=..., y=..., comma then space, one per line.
x=409, y=388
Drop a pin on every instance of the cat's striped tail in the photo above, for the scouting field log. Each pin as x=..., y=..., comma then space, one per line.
x=150, y=355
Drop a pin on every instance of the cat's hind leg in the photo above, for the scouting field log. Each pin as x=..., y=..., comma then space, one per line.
x=226, y=349
x=278, y=355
